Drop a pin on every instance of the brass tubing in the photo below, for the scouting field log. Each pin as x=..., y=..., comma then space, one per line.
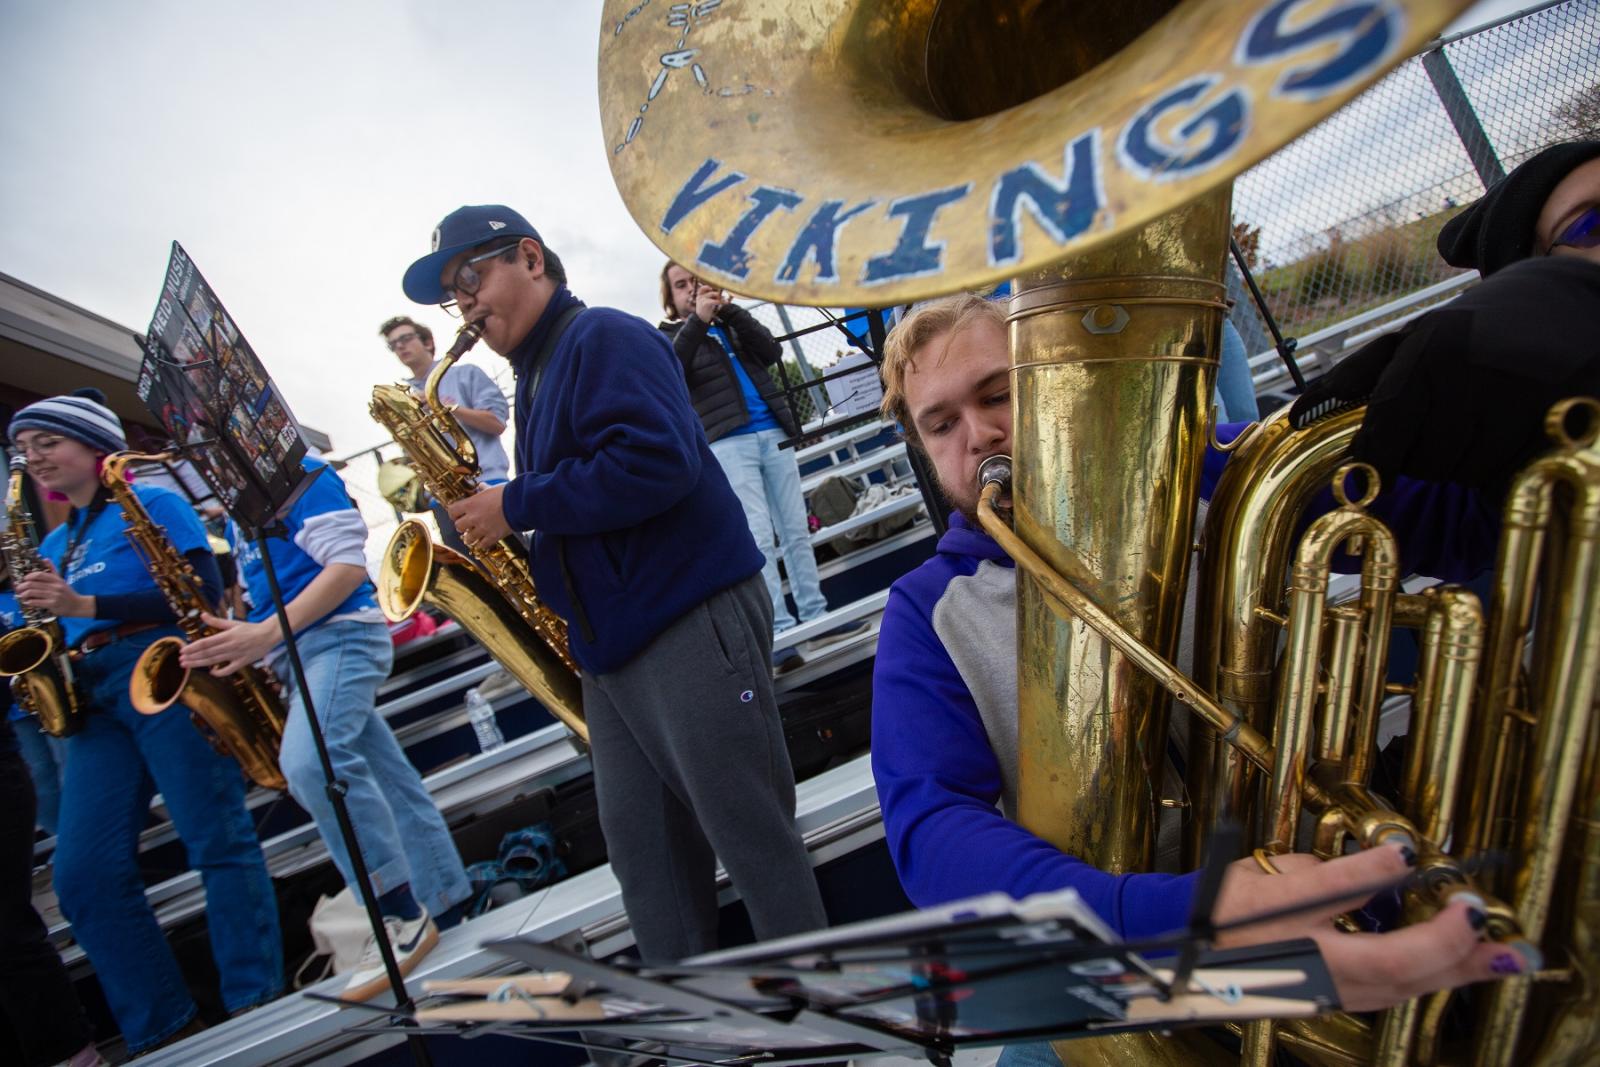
x=417, y=571
x=1234, y=731
x=1460, y=646
x=1563, y=707
x=1108, y=494
x=1248, y=541
x=1452, y=645
x=1344, y=652
x=1299, y=676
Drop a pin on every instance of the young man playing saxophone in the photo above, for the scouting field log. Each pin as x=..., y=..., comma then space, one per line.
x=641, y=546
x=478, y=403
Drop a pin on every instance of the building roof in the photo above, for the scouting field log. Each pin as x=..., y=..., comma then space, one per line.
x=49, y=346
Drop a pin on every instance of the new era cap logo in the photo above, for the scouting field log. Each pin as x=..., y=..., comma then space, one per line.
x=435, y=239
x=493, y=225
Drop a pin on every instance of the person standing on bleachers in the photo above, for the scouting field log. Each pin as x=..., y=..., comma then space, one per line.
x=725, y=354
x=345, y=648
x=111, y=611
x=478, y=405
x=638, y=545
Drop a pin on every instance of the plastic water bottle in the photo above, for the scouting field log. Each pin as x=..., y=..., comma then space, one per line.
x=481, y=714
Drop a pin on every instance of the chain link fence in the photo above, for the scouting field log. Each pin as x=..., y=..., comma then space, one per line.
x=1343, y=222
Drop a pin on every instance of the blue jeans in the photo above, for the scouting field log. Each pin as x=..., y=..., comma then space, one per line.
x=1236, y=392
x=1033, y=1054
x=46, y=757
x=113, y=766
x=403, y=837
x=766, y=479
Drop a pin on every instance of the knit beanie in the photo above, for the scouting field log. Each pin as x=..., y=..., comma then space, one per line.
x=82, y=416
x=1497, y=229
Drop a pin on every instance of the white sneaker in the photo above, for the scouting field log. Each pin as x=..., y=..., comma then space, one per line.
x=411, y=939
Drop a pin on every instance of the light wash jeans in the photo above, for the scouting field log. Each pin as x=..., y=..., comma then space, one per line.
x=766, y=479
x=1236, y=392
x=113, y=766
x=403, y=837
x=1034, y=1054
x=46, y=757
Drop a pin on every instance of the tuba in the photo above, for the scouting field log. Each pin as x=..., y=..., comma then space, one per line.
x=491, y=595
x=35, y=657
x=952, y=144
x=242, y=715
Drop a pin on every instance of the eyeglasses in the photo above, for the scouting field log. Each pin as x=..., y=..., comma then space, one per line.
x=468, y=280
x=39, y=447
x=395, y=343
x=1583, y=233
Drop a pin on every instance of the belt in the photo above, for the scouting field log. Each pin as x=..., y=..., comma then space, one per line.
x=102, y=638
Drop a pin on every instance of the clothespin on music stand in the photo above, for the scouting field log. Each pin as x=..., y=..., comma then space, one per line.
x=1227, y=840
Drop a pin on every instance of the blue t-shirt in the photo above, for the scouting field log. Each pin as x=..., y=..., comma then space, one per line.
x=104, y=561
x=760, y=415
x=324, y=496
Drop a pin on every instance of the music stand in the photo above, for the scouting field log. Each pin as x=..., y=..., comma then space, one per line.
x=204, y=383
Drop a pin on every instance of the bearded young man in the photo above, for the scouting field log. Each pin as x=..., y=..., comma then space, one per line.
x=944, y=744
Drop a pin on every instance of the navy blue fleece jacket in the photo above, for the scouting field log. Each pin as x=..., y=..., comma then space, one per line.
x=635, y=521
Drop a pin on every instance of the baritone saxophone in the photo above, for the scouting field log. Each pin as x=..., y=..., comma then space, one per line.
x=491, y=594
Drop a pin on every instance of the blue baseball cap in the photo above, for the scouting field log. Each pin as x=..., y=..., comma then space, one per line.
x=462, y=229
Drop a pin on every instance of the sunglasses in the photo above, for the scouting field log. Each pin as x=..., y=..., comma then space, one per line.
x=1584, y=232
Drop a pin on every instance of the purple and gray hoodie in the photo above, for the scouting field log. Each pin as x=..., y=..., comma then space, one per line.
x=944, y=718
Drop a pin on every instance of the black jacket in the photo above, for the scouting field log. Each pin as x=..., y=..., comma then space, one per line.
x=713, y=387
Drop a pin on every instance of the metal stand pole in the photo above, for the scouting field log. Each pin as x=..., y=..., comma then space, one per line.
x=336, y=789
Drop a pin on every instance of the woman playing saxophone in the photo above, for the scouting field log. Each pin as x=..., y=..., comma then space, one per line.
x=111, y=611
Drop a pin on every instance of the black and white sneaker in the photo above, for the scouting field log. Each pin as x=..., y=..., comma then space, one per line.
x=836, y=635
x=412, y=939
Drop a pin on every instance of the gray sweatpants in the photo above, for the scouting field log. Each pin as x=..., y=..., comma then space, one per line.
x=690, y=766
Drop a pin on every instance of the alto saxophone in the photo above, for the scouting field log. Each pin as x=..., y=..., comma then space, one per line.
x=35, y=657
x=414, y=569
x=242, y=715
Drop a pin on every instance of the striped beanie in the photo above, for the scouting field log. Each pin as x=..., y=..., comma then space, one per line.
x=82, y=416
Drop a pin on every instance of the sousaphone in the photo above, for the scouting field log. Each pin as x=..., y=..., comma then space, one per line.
x=842, y=153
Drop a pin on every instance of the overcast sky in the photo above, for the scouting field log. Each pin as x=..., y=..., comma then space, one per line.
x=302, y=152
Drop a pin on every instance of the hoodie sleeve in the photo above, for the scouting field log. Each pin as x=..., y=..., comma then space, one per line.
x=939, y=785
x=636, y=439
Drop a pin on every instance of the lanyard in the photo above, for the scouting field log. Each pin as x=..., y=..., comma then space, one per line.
x=77, y=530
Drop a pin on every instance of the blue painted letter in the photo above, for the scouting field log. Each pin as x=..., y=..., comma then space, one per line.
x=731, y=257
x=913, y=256
x=1144, y=152
x=1065, y=208
x=818, y=239
x=1366, y=29
x=695, y=192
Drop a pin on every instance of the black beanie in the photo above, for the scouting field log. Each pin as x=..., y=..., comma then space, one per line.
x=1497, y=229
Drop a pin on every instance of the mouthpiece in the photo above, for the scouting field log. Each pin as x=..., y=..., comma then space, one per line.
x=995, y=469
x=466, y=337
x=19, y=462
